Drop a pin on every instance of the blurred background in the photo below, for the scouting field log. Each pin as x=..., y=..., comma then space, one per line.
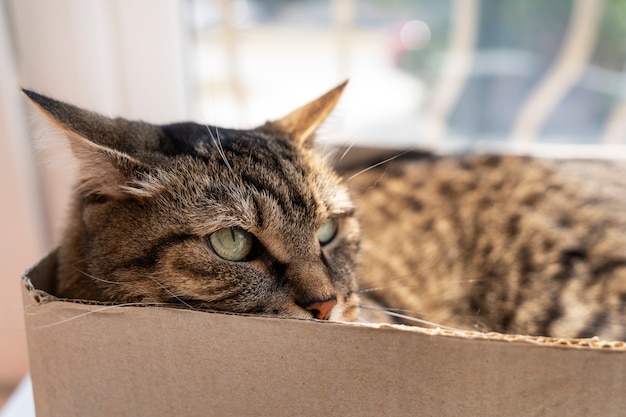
x=541, y=77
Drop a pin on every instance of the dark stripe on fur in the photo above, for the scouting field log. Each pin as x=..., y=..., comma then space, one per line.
x=153, y=254
x=597, y=322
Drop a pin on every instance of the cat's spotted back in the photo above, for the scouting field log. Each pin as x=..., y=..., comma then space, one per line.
x=256, y=221
x=501, y=243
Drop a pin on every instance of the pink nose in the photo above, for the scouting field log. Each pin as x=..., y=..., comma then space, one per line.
x=321, y=309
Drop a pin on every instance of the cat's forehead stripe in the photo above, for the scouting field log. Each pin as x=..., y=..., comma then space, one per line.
x=283, y=194
x=277, y=177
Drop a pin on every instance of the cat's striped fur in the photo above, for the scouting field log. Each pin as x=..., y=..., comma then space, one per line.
x=501, y=243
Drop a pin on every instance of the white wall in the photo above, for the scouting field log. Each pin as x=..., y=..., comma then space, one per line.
x=118, y=57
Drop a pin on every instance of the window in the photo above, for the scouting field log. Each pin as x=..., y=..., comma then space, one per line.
x=451, y=74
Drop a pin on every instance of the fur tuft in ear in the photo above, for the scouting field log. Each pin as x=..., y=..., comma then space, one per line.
x=109, y=172
x=102, y=170
x=302, y=123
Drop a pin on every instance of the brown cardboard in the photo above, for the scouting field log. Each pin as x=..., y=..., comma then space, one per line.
x=95, y=360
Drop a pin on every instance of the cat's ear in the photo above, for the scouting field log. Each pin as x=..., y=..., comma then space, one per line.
x=101, y=170
x=302, y=123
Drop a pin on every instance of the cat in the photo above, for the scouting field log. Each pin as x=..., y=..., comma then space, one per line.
x=258, y=221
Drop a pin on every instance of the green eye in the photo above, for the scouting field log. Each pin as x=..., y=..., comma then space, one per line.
x=232, y=243
x=327, y=231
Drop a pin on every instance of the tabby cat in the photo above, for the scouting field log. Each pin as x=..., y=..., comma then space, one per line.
x=256, y=221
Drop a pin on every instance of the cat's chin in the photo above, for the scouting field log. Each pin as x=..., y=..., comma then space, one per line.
x=341, y=313
x=345, y=310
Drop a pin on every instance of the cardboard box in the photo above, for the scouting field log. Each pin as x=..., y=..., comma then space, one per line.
x=98, y=360
x=102, y=360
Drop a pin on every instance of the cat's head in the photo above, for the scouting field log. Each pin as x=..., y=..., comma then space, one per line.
x=252, y=221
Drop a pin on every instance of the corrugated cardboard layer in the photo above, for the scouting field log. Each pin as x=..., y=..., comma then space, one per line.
x=89, y=360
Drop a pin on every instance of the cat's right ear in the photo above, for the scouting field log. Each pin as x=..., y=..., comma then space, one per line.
x=302, y=123
x=101, y=170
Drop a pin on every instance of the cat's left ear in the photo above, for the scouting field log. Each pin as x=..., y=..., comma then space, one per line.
x=102, y=169
x=302, y=123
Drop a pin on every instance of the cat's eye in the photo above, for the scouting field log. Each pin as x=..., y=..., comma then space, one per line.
x=232, y=243
x=327, y=231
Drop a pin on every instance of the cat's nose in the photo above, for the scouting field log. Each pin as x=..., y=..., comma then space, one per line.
x=321, y=309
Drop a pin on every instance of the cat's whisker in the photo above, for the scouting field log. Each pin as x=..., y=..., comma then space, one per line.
x=385, y=287
x=218, y=144
x=394, y=309
x=104, y=308
x=360, y=319
x=416, y=285
x=99, y=279
x=390, y=283
x=216, y=141
x=325, y=150
x=401, y=154
x=470, y=281
x=336, y=155
x=163, y=287
x=350, y=146
x=170, y=292
x=394, y=313
x=219, y=141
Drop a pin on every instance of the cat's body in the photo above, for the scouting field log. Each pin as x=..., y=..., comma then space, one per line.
x=257, y=222
x=503, y=243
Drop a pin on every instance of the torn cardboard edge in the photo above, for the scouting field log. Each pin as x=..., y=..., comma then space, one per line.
x=94, y=360
x=40, y=294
